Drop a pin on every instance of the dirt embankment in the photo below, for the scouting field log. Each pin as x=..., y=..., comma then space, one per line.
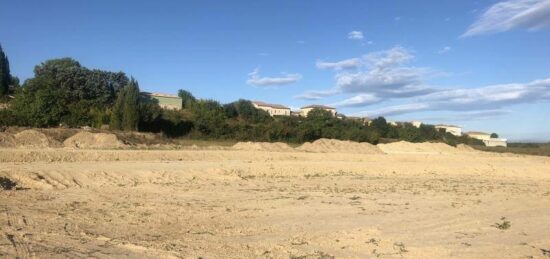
x=339, y=146
x=263, y=146
x=90, y=140
x=27, y=139
x=423, y=148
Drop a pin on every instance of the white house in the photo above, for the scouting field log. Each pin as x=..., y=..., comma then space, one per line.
x=487, y=140
x=455, y=130
x=416, y=123
x=272, y=109
x=306, y=109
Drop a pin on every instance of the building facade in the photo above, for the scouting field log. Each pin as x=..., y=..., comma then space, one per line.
x=455, y=130
x=487, y=140
x=304, y=111
x=165, y=101
x=272, y=109
x=416, y=123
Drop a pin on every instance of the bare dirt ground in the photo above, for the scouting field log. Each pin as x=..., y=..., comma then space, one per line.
x=232, y=203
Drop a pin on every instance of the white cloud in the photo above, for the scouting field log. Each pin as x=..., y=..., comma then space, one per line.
x=340, y=65
x=256, y=80
x=512, y=14
x=383, y=74
x=355, y=35
x=317, y=95
x=358, y=101
x=301, y=42
x=394, y=110
x=444, y=50
x=485, y=98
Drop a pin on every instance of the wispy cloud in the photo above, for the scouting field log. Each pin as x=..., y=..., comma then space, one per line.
x=512, y=14
x=358, y=101
x=355, y=35
x=352, y=63
x=474, y=99
x=444, y=50
x=383, y=74
x=317, y=95
x=255, y=79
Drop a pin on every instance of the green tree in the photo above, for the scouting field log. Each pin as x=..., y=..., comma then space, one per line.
x=187, y=98
x=494, y=135
x=126, y=111
x=5, y=77
x=118, y=111
x=209, y=118
x=381, y=126
x=130, y=118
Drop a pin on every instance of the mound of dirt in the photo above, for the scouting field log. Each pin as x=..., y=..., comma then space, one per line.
x=426, y=148
x=263, y=146
x=32, y=139
x=339, y=146
x=465, y=148
x=6, y=140
x=93, y=141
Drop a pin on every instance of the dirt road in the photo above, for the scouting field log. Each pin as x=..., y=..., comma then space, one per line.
x=255, y=204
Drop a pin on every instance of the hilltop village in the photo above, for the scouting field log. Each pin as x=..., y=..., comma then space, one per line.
x=174, y=102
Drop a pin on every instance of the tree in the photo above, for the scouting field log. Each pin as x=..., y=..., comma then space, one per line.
x=5, y=77
x=186, y=98
x=494, y=135
x=381, y=126
x=126, y=111
x=130, y=118
x=117, y=112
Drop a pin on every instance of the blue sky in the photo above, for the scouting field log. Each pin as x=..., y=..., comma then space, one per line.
x=484, y=65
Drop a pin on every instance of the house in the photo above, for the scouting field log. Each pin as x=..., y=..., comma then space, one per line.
x=306, y=109
x=455, y=130
x=416, y=123
x=487, y=140
x=165, y=101
x=272, y=109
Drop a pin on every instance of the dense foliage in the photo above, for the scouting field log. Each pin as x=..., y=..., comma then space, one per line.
x=5, y=77
x=62, y=92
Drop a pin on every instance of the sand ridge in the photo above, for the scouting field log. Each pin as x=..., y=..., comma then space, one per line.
x=263, y=146
x=93, y=141
x=334, y=145
x=261, y=204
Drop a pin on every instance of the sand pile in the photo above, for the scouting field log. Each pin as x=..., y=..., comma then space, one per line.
x=339, y=146
x=465, y=148
x=426, y=147
x=93, y=140
x=6, y=140
x=32, y=139
x=263, y=146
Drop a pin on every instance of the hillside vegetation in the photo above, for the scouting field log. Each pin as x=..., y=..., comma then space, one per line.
x=65, y=93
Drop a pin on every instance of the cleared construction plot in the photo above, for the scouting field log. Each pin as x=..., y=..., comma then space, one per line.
x=259, y=200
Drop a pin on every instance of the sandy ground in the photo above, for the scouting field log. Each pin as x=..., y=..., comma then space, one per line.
x=260, y=204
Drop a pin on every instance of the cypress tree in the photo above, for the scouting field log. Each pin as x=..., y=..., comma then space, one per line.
x=117, y=112
x=5, y=77
x=130, y=118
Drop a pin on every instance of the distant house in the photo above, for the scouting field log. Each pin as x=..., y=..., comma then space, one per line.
x=272, y=109
x=393, y=123
x=165, y=101
x=487, y=140
x=306, y=109
x=455, y=130
x=416, y=123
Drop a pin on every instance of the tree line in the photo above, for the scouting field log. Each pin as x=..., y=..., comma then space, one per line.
x=65, y=93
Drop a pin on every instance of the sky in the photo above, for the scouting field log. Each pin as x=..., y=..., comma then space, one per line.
x=482, y=65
